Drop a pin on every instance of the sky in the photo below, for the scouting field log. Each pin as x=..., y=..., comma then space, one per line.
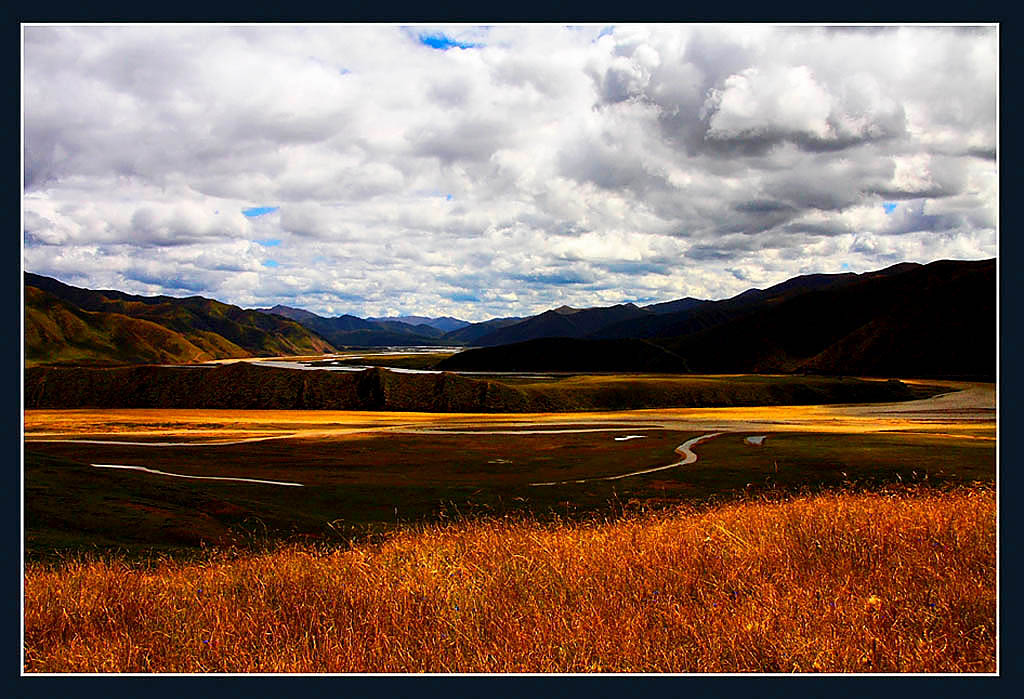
x=483, y=172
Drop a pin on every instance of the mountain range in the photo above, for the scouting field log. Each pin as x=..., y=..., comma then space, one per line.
x=444, y=323
x=352, y=331
x=909, y=319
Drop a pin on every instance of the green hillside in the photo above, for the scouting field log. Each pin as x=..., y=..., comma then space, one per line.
x=57, y=332
x=66, y=324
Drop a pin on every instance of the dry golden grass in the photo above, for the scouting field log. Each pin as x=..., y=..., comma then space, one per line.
x=958, y=413
x=852, y=582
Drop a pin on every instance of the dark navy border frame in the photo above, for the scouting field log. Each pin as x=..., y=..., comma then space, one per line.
x=496, y=686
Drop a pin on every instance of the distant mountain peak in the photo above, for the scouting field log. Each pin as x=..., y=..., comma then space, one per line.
x=566, y=310
x=442, y=323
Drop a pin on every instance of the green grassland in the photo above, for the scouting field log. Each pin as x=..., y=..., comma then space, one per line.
x=354, y=488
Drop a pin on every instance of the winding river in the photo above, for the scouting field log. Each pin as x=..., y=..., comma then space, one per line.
x=200, y=478
x=685, y=450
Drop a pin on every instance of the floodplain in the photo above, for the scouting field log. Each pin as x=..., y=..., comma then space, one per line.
x=364, y=472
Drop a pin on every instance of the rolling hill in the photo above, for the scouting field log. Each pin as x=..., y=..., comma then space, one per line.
x=67, y=324
x=677, y=318
x=58, y=332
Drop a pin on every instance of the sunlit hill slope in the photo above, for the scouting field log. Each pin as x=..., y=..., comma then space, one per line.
x=66, y=324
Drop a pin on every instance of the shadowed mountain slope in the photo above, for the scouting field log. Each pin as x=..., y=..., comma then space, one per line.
x=914, y=320
x=563, y=322
x=470, y=334
x=568, y=355
x=445, y=323
x=676, y=318
x=906, y=320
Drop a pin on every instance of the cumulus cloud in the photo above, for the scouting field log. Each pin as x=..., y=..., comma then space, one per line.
x=491, y=171
x=758, y=102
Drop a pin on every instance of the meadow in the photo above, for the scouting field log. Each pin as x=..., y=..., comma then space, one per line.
x=889, y=581
x=369, y=482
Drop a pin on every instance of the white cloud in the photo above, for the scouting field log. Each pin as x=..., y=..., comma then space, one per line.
x=786, y=100
x=545, y=165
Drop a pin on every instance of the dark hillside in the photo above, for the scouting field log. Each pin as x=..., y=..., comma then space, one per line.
x=947, y=328
x=568, y=355
x=674, y=306
x=678, y=318
x=473, y=332
x=563, y=322
x=931, y=320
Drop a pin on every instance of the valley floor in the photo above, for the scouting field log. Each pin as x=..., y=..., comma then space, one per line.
x=967, y=408
x=842, y=538
x=188, y=477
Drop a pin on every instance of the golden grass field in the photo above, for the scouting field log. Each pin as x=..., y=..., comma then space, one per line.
x=899, y=579
x=848, y=582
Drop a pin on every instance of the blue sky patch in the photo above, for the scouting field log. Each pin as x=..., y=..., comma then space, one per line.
x=558, y=278
x=443, y=42
x=270, y=263
x=461, y=297
x=889, y=206
x=606, y=31
x=269, y=242
x=260, y=210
